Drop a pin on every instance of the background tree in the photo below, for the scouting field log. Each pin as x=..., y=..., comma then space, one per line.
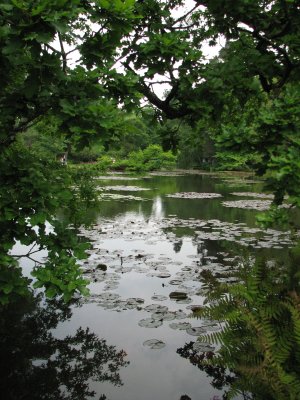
x=80, y=62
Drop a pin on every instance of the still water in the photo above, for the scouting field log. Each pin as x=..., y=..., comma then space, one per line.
x=151, y=238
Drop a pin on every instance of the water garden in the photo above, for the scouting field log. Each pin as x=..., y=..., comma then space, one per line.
x=149, y=200
x=162, y=246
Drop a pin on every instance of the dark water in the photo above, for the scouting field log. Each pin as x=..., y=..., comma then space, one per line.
x=146, y=245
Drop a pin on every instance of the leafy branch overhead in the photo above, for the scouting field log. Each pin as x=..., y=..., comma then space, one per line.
x=73, y=71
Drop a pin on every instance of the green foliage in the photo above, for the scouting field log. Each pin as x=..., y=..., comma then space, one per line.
x=150, y=159
x=233, y=161
x=59, y=275
x=43, y=138
x=259, y=339
x=87, y=154
x=274, y=215
x=245, y=99
x=33, y=190
x=47, y=107
x=195, y=148
x=13, y=285
x=104, y=163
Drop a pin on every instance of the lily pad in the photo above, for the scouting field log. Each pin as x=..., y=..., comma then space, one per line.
x=150, y=323
x=156, y=307
x=162, y=275
x=154, y=344
x=203, y=347
x=195, y=307
x=103, y=267
x=260, y=205
x=108, y=297
x=175, y=282
x=134, y=302
x=116, y=178
x=163, y=316
x=180, y=325
x=211, y=327
x=159, y=297
x=115, y=196
x=194, y=195
x=252, y=194
x=184, y=301
x=178, y=295
x=180, y=314
x=120, y=188
x=196, y=331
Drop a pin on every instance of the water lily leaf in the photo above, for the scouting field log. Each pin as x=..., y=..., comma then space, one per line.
x=159, y=297
x=162, y=275
x=150, y=323
x=179, y=314
x=164, y=316
x=196, y=331
x=178, y=295
x=252, y=194
x=194, y=195
x=203, y=347
x=120, y=188
x=156, y=307
x=175, y=282
x=259, y=205
x=180, y=325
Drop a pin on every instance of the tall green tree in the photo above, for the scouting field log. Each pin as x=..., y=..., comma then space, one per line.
x=38, y=83
x=237, y=94
x=79, y=61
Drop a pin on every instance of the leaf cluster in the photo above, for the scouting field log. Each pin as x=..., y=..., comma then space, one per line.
x=259, y=339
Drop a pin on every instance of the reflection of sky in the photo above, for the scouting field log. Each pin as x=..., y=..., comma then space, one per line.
x=157, y=208
x=152, y=374
x=129, y=229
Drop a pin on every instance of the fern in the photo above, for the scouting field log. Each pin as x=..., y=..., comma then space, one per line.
x=260, y=335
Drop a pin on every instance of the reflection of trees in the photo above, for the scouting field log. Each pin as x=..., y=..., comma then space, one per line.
x=221, y=376
x=177, y=245
x=37, y=365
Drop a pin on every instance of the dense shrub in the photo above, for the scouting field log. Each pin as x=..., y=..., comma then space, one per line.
x=150, y=159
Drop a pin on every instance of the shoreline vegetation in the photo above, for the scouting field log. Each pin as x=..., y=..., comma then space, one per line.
x=145, y=87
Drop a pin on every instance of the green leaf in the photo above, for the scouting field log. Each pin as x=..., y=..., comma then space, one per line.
x=51, y=292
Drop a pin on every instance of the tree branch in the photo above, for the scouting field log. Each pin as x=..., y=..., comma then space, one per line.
x=183, y=17
x=63, y=53
x=163, y=105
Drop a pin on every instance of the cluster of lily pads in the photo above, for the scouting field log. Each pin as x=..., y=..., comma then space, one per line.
x=162, y=230
x=120, y=188
x=262, y=204
x=258, y=205
x=182, y=281
x=121, y=197
x=253, y=194
x=239, y=233
x=194, y=195
x=116, y=178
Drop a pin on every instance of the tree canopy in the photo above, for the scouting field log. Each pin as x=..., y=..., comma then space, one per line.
x=86, y=63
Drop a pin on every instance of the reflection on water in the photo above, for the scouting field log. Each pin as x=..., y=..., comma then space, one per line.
x=35, y=364
x=145, y=268
x=157, y=208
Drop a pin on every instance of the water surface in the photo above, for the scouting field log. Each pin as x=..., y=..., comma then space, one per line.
x=145, y=246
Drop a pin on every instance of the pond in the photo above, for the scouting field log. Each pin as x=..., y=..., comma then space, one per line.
x=151, y=239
